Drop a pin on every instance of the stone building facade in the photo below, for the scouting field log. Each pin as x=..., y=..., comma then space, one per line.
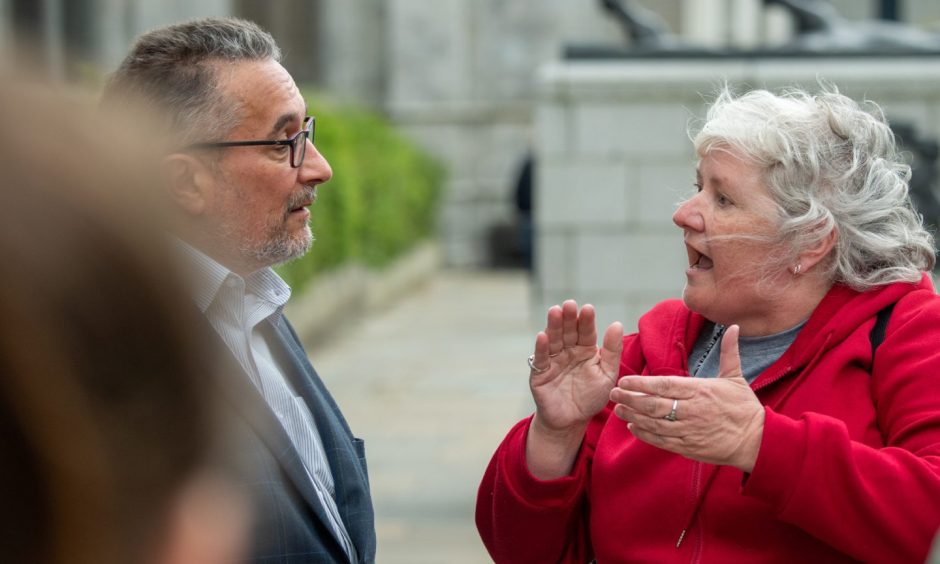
x=460, y=76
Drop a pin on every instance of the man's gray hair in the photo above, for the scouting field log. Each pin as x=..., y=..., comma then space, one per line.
x=829, y=165
x=176, y=68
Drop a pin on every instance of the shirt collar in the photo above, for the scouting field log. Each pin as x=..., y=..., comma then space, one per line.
x=208, y=276
x=268, y=287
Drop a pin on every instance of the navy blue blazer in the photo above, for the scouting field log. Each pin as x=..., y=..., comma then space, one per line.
x=290, y=524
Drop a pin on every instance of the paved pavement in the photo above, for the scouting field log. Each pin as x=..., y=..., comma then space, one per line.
x=432, y=385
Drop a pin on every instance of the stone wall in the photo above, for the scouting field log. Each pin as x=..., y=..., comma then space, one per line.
x=461, y=81
x=460, y=76
x=614, y=158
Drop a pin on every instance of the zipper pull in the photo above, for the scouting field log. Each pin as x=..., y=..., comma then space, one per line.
x=681, y=537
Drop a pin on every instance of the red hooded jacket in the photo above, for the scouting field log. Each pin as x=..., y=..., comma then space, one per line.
x=848, y=468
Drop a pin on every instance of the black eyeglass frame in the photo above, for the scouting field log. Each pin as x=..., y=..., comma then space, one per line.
x=307, y=131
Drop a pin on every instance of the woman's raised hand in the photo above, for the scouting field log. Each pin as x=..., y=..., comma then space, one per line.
x=571, y=378
x=576, y=376
x=714, y=420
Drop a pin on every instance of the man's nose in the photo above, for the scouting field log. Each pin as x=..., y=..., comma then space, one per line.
x=315, y=169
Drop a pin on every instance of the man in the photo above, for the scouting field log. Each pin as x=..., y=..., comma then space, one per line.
x=241, y=182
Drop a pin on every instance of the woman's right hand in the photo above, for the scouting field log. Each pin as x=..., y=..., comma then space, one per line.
x=570, y=384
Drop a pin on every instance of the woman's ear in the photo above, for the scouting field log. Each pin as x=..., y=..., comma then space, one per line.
x=816, y=254
x=189, y=183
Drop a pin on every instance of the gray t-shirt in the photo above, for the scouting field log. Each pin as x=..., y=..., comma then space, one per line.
x=757, y=353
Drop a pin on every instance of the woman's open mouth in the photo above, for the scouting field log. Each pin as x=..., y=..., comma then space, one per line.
x=698, y=261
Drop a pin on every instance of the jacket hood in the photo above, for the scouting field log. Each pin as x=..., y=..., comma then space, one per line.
x=667, y=333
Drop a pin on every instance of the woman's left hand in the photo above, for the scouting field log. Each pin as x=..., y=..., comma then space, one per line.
x=717, y=420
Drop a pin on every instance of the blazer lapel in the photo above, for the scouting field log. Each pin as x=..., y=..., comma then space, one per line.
x=248, y=402
x=345, y=454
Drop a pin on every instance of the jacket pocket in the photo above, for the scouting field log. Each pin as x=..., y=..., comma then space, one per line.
x=360, y=446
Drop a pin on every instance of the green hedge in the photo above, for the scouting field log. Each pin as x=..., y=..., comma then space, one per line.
x=381, y=201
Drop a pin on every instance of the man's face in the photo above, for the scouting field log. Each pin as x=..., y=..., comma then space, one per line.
x=259, y=206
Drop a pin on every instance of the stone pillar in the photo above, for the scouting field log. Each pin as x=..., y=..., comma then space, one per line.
x=461, y=81
x=119, y=22
x=355, y=55
x=431, y=95
x=779, y=26
x=53, y=37
x=7, y=38
x=746, y=17
x=705, y=22
x=114, y=31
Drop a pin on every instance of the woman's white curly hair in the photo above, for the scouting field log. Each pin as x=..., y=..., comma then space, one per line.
x=829, y=165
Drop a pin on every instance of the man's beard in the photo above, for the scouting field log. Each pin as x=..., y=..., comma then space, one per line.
x=280, y=247
x=277, y=245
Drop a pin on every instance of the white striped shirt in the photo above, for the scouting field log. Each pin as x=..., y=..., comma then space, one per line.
x=235, y=307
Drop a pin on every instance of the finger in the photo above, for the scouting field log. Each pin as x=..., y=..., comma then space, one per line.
x=729, y=361
x=553, y=328
x=652, y=425
x=617, y=395
x=612, y=348
x=569, y=311
x=671, y=444
x=650, y=406
x=541, y=359
x=672, y=387
x=587, y=328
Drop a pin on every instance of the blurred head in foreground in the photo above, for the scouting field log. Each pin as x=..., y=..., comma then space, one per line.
x=106, y=427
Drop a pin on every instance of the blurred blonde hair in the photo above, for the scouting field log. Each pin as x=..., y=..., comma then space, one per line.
x=104, y=405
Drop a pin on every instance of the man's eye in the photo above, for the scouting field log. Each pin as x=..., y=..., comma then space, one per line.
x=698, y=186
x=723, y=200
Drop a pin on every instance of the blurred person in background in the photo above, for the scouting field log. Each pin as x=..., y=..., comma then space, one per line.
x=242, y=173
x=107, y=435
x=786, y=409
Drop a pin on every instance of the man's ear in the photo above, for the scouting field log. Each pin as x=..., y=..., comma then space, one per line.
x=190, y=184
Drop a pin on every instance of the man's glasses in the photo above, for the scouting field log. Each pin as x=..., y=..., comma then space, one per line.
x=297, y=143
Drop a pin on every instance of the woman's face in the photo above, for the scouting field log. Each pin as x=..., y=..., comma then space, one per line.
x=730, y=230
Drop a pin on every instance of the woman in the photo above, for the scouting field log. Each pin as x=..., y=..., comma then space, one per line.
x=799, y=437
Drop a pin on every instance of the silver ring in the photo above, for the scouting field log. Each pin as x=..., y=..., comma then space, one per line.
x=672, y=414
x=535, y=368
